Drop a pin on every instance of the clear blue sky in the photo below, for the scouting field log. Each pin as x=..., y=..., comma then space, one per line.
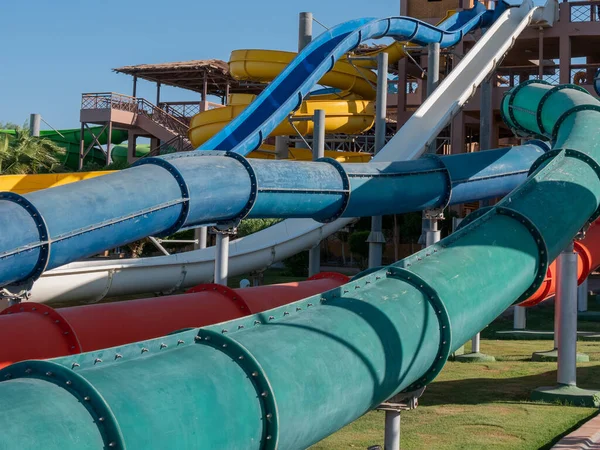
x=54, y=51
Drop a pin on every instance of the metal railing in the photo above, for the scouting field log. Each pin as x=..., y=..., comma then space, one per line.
x=110, y=100
x=515, y=75
x=177, y=144
x=584, y=11
x=186, y=110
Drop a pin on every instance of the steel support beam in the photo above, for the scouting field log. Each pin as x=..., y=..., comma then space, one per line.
x=222, y=258
x=35, y=124
x=314, y=254
x=376, y=238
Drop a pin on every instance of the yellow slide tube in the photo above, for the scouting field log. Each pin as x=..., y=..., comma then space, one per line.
x=350, y=112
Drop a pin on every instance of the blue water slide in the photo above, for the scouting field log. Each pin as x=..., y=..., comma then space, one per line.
x=286, y=92
x=49, y=228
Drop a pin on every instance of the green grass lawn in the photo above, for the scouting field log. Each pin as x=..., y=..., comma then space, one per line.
x=481, y=406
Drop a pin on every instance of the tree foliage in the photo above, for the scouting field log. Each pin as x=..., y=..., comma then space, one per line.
x=249, y=226
x=24, y=154
x=358, y=243
x=13, y=126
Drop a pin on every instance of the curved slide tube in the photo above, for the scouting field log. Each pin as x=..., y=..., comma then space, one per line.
x=68, y=331
x=280, y=379
x=23, y=184
x=350, y=111
x=292, y=236
x=342, y=116
x=286, y=92
x=38, y=226
x=70, y=140
x=588, y=259
x=324, y=190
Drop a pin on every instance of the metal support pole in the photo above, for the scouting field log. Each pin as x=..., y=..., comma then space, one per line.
x=319, y=134
x=282, y=145
x=566, y=310
x=314, y=254
x=486, y=116
x=158, y=246
x=108, y=143
x=582, y=296
x=392, y=430
x=520, y=318
x=81, y=146
x=376, y=238
x=158, y=93
x=201, y=235
x=566, y=298
x=432, y=234
x=134, y=94
x=222, y=258
x=476, y=343
x=305, y=20
x=433, y=78
x=304, y=30
x=34, y=124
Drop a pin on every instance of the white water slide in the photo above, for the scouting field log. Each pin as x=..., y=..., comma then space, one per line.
x=91, y=281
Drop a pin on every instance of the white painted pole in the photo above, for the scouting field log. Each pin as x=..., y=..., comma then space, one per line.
x=432, y=235
x=520, y=318
x=566, y=298
x=476, y=343
x=222, y=259
x=201, y=235
x=314, y=256
x=392, y=430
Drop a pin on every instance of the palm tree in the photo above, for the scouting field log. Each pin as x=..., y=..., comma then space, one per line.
x=21, y=153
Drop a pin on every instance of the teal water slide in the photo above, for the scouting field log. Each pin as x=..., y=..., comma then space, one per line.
x=288, y=377
x=291, y=376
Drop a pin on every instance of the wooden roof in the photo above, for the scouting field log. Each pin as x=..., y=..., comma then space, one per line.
x=191, y=74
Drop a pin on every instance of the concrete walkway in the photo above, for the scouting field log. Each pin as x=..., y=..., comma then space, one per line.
x=587, y=437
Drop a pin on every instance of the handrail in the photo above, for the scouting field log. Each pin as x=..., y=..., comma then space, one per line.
x=179, y=143
x=111, y=100
x=584, y=11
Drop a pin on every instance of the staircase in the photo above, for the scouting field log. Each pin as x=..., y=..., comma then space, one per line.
x=133, y=112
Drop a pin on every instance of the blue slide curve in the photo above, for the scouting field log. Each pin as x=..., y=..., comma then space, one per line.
x=286, y=92
x=47, y=229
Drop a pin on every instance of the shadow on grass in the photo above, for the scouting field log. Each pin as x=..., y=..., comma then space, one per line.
x=475, y=391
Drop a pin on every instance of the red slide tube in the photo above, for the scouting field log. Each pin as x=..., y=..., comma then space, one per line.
x=588, y=259
x=34, y=331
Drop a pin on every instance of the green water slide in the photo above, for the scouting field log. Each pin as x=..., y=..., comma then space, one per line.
x=289, y=377
x=70, y=141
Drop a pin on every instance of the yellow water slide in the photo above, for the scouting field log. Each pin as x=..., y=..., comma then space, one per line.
x=22, y=184
x=351, y=111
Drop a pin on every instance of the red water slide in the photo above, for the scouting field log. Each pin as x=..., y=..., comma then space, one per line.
x=35, y=331
x=588, y=259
